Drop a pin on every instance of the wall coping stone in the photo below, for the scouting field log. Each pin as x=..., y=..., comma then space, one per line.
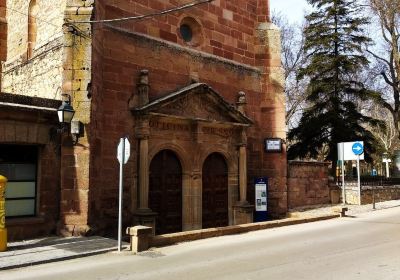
x=173, y=238
x=315, y=163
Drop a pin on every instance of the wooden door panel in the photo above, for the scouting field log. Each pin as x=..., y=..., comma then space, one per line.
x=165, y=192
x=215, y=192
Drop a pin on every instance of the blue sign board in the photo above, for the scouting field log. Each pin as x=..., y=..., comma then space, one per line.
x=357, y=148
x=261, y=191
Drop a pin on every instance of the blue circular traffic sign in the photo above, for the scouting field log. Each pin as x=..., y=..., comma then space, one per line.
x=357, y=148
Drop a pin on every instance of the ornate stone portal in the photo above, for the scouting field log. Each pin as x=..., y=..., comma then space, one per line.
x=192, y=123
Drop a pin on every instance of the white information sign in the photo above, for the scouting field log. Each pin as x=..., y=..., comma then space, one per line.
x=261, y=197
x=387, y=161
x=345, y=151
x=127, y=150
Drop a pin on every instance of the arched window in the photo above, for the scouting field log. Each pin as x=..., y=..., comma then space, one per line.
x=32, y=27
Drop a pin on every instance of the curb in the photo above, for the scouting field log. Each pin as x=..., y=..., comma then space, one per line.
x=174, y=238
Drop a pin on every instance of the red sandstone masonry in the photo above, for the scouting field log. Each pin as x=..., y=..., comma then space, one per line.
x=308, y=184
x=231, y=23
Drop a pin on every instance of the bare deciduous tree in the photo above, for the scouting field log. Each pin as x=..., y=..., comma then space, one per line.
x=388, y=58
x=292, y=59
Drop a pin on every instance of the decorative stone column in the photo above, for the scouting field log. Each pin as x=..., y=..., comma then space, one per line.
x=144, y=173
x=144, y=215
x=243, y=211
x=243, y=174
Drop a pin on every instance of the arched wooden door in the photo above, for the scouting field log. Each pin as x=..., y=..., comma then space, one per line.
x=215, y=192
x=165, y=192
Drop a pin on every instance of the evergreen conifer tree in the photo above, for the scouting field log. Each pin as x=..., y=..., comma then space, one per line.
x=334, y=43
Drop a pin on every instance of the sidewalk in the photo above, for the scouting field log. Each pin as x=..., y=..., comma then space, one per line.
x=50, y=249
x=353, y=209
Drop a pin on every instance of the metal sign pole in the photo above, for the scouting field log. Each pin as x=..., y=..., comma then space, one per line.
x=121, y=176
x=358, y=179
x=343, y=187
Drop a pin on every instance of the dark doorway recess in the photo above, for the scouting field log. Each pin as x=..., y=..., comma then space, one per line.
x=215, y=192
x=165, y=192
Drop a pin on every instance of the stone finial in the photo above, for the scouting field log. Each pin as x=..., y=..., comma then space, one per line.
x=143, y=87
x=194, y=77
x=144, y=77
x=241, y=103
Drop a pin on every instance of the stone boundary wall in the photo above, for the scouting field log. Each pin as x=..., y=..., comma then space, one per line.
x=384, y=193
x=308, y=184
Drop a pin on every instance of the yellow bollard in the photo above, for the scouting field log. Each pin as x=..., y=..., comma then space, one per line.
x=3, y=230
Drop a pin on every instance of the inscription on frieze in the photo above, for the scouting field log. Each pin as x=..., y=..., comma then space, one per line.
x=160, y=125
x=223, y=132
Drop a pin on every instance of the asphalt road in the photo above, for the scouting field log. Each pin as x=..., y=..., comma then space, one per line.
x=362, y=247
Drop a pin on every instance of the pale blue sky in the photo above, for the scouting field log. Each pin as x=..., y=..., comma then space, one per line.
x=292, y=9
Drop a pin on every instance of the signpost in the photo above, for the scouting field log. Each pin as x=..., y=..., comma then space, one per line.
x=358, y=149
x=123, y=153
x=351, y=151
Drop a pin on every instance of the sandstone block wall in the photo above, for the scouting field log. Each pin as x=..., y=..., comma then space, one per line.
x=384, y=193
x=41, y=75
x=308, y=184
x=380, y=193
x=3, y=31
x=49, y=20
x=76, y=79
x=228, y=27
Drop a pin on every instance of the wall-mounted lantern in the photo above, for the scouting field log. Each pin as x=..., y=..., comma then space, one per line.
x=65, y=112
x=65, y=115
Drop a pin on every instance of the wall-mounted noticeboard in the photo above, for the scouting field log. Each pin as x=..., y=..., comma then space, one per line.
x=273, y=145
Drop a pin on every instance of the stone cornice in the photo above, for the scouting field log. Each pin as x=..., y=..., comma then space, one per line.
x=176, y=47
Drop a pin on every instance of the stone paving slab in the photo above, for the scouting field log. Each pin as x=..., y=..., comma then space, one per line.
x=51, y=249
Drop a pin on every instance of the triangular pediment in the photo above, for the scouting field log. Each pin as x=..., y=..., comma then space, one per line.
x=197, y=102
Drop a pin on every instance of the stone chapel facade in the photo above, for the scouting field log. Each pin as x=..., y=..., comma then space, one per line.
x=196, y=92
